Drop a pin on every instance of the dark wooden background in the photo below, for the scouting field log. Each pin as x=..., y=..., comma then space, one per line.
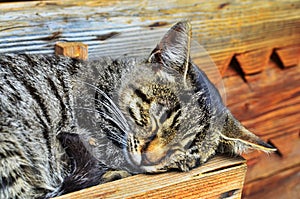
x=255, y=45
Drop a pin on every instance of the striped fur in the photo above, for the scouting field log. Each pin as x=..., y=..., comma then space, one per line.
x=35, y=106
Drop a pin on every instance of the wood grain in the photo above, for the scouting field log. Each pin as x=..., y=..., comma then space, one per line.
x=268, y=104
x=285, y=143
x=221, y=177
x=254, y=61
x=108, y=26
x=289, y=56
x=288, y=180
x=265, y=165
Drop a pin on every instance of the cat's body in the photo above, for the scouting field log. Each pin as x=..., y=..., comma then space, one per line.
x=38, y=107
x=137, y=115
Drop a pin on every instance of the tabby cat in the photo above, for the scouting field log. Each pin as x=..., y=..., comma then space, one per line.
x=67, y=124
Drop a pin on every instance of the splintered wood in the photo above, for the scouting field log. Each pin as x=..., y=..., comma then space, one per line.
x=221, y=177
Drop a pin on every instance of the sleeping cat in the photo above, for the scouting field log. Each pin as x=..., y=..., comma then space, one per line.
x=67, y=124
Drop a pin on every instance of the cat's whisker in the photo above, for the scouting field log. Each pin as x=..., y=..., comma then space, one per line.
x=87, y=109
x=112, y=120
x=119, y=140
x=115, y=113
x=106, y=116
x=113, y=106
x=114, y=136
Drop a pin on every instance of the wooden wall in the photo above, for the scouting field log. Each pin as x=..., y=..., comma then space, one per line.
x=255, y=44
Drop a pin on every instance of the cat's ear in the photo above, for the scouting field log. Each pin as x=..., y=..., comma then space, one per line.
x=238, y=139
x=174, y=48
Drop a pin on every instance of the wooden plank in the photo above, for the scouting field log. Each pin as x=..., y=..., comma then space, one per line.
x=108, y=26
x=221, y=177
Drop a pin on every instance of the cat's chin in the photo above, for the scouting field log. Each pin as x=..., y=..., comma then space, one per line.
x=136, y=160
x=153, y=169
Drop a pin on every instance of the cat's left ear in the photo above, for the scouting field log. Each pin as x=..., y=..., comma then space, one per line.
x=174, y=48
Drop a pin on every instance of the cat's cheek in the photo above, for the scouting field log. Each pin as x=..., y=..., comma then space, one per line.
x=136, y=158
x=133, y=151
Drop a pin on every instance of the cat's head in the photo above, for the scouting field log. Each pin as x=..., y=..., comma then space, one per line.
x=158, y=101
x=166, y=103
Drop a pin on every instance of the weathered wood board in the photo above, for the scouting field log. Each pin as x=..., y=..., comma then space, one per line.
x=224, y=29
x=222, y=177
x=255, y=44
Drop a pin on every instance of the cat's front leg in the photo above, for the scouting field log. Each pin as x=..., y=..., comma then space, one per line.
x=181, y=160
x=112, y=175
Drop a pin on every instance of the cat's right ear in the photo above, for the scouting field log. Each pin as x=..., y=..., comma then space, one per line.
x=174, y=48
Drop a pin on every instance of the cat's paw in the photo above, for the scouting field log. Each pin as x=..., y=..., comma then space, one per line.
x=154, y=169
x=182, y=161
x=115, y=175
x=178, y=160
